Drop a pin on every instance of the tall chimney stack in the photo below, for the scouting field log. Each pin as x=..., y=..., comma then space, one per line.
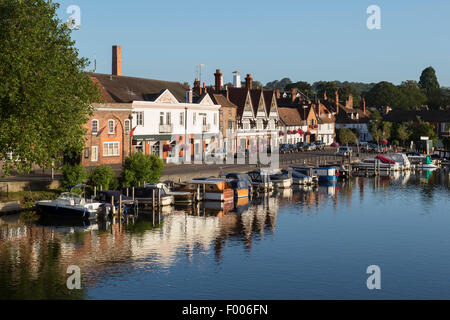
x=236, y=79
x=219, y=82
x=249, y=82
x=116, y=60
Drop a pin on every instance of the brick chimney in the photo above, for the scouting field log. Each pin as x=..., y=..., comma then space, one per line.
x=325, y=96
x=364, y=105
x=293, y=95
x=116, y=60
x=349, y=103
x=249, y=82
x=204, y=88
x=336, y=94
x=277, y=94
x=197, y=88
x=219, y=80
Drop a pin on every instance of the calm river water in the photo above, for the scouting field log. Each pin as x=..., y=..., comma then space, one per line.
x=300, y=244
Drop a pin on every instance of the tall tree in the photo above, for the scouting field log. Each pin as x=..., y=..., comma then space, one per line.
x=384, y=94
x=328, y=87
x=430, y=85
x=402, y=134
x=45, y=97
x=303, y=87
x=411, y=95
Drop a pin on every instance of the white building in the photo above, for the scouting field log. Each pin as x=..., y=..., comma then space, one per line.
x=162, y=123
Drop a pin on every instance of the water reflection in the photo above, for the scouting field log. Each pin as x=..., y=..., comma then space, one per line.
x=34, y=255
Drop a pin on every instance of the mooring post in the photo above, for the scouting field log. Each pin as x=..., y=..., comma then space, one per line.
x=153, y=198
x=204, y=192
x=132, y=192
x=128, y=192
x=101, y=188
x=113, y=208
x=198, y=192
x=120, y=206
x=95, y=191
x=159, y=197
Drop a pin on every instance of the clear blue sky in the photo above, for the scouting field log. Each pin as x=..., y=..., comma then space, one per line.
x=299, y=39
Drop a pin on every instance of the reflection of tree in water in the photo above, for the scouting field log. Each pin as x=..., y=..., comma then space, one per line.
x=34, y=271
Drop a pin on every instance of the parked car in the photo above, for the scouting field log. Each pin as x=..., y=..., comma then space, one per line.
x=293, y=148
x=345, y=151
x=311, y=147
x=301, y=146
x=319, y=145
x=284, y=148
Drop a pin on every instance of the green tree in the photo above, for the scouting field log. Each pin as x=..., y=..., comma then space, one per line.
x=422, y=129
x=303, y=87
x=346, y=136
x=402, y=134
x=430, y=85
x=328, y=87
x=139, y=168
x=411, y=95
x=384, y=94
x=346, y=90
x=45, y=96
x=73, y=175
x=376, y=134
x=386, y=130
x=103, y=176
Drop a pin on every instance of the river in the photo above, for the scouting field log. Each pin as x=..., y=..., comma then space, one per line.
x=306, y=243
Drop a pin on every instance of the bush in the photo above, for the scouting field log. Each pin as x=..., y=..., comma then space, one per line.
x=139, y=168
x=73, y=175
x=103, y=176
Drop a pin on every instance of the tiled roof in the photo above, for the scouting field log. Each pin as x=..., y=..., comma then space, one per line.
x=123, y=89
x=290, y=116
x=238, y=96
x=222, y=100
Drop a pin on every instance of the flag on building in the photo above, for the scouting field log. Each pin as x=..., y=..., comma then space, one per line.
x=101, y=131
x=132, y=131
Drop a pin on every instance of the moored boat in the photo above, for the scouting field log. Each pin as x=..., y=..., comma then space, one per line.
x=153, y=194
x=281, y=180
x=261, y=180
x=323, y=174
x=213, y=189
x=69, y=205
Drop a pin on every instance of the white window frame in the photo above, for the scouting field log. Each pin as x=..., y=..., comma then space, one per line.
x=113, y=126
x=107, y=148
x=92, y=126
x=94, y=154
x=140, y=118
x=127, y=125
x=181, y=118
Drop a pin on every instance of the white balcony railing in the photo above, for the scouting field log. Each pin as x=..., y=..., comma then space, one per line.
x=165, y=128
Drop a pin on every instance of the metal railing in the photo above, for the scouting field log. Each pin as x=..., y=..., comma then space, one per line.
x=165, y=128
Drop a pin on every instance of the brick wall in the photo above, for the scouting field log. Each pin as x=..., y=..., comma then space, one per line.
x=119, y=135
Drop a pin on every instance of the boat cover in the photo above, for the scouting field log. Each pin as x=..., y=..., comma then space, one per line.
x=384, y=159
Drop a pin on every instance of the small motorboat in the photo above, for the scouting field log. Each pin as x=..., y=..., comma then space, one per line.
x=212, y=189
x=306, y=171
x=428, y=165
x=323, y=174
x=179, y=196
x=402, y=159
x=281, y=180
x=70, y=205
x=129, y=206
x=153, y=195
x=298, y=178
x=261, y=180
x=240, y=187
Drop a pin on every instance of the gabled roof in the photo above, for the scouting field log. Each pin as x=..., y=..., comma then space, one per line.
x=255, y=95
x=123, y=89
x=222, y=101
x=290, y=116
x=238, y=96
